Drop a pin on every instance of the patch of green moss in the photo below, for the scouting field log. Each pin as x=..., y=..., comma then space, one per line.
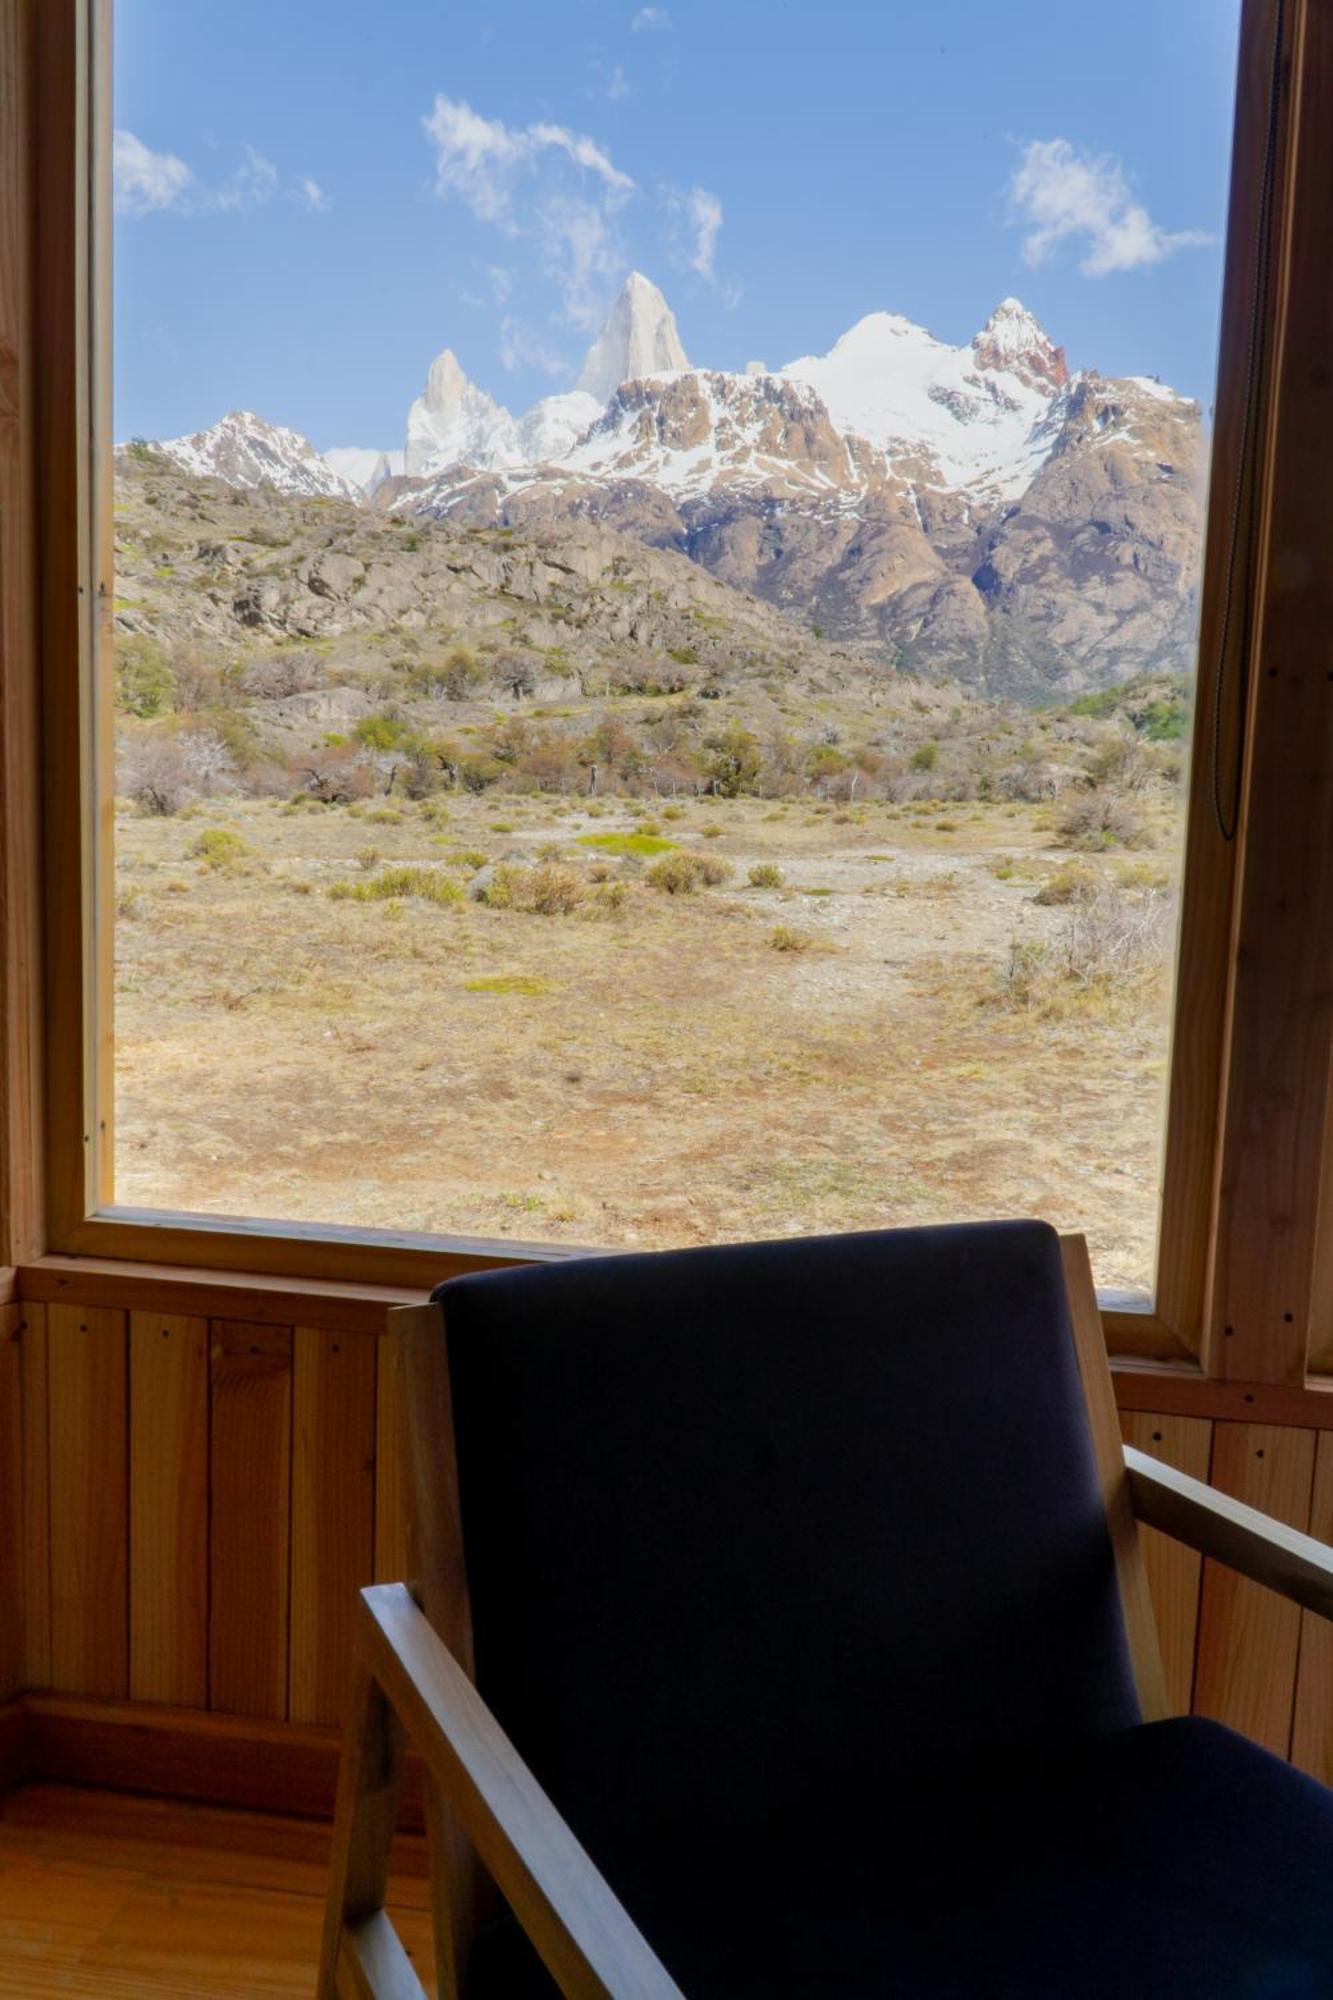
x=644, y=844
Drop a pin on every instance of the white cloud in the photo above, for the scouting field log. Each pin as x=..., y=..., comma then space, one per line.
x=1059, y=193
x=520, y=347
x=581, y=252
x=705, y=216
x=254, y=182
x=557, y=187
x=649, y=19
x=481, y=159
x=146, y=183
x=145, y=180
x=694, y=220
x=502, y=282
x=617, y=84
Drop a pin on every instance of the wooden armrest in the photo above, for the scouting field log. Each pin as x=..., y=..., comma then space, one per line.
x=1241, y=1537
x=588, y=1942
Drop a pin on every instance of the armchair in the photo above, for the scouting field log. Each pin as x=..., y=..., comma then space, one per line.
x=783, y=1629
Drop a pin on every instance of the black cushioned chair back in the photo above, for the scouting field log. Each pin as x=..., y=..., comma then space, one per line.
x=747, y=1526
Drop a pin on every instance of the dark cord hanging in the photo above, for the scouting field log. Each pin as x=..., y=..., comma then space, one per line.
x=1245, y=497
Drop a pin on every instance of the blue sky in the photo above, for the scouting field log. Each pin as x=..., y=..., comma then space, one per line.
x=313, y=200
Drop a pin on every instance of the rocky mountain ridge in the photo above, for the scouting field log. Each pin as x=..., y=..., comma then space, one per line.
x=976, y=512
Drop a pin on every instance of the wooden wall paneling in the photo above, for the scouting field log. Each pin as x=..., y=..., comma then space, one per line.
x=201, y=1293
x=11, y=1503
x=391, y=1537
x=1312, y=1729
x=1174, y=1572
x=249, y=1515
x=36, y=1500
x=1249, y=1638
x=169, y=1509
x=89, y=1480
x=333, y=1513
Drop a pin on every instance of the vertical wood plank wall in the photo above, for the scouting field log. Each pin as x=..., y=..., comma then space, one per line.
x=1232, y=1650
x=196, y=1503
x=193, y=1508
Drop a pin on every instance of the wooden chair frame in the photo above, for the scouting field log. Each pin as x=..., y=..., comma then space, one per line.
x=486, y=1811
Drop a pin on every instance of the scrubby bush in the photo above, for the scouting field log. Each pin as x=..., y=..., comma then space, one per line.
x=153, y=772
x=218, y=847
x=711, y=870
x=145, y=684
x=336, y=775
x=551, y=891
x=1112, y=950
x=1122, y=764
x=766, y=875
x=516, y=673
x=786, y=939
x=1098, y=819
x=675, y=874
x=736, y=762
x=681, y=874
x=1075, y=882
x=424, y=885
x=545, y=891
x=609, y=898
x=280, y=675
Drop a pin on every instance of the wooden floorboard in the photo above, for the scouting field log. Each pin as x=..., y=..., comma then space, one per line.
x=141, y=1899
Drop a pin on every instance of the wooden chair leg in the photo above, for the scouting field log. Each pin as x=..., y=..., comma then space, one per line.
x=454, y=1891
x=363, y=1957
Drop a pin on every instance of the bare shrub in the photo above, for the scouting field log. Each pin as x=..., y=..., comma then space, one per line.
x=516, y=673
x=197, y=686
x=336, y=776
x=1099, y=819
x=1075, y=882
x=1112, y=949
x=1030, y=781
x=1124, y=764
x=153, y=773
x=281, y=675
x=209, y=761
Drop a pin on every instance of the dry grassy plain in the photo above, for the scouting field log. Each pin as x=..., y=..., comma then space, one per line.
x=646, y=1069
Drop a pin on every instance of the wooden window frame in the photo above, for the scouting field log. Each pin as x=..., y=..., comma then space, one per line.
x=1214, y=1260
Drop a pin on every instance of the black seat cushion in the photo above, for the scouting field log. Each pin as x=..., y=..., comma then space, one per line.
x=753, y=1526
x=1173, y=1861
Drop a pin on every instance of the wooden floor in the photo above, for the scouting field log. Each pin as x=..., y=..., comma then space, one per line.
x=138, y=1899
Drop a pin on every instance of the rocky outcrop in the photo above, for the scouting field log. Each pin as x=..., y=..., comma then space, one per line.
x=1099, y=560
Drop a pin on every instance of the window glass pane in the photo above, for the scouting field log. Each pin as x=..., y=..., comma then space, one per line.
x=657, y=563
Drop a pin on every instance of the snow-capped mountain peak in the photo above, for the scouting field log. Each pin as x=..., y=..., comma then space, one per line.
x=640, y=338
x=244, y=450
x=455, y=420
x=364, y=465
x=1013, y=342
x=552, y=427
x=975, y=418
